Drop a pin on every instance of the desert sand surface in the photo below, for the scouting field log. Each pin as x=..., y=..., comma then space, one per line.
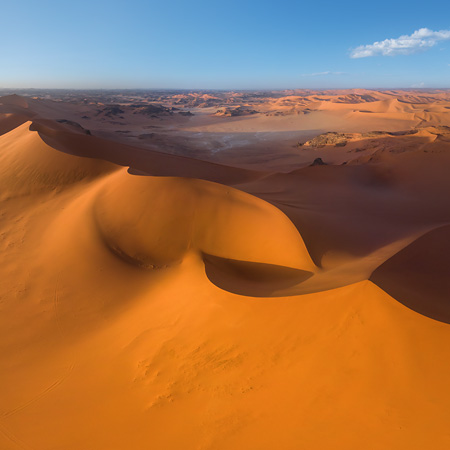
x=225, y=270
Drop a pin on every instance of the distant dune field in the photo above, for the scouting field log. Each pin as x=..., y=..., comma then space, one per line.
x=254, y=273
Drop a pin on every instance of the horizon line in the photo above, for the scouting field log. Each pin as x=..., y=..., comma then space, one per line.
x=418, y=88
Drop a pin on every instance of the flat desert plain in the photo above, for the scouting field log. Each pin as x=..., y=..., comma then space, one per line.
x=225, y=270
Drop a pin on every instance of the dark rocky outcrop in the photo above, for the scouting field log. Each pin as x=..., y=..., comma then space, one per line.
x=330, y=138
x=75, y=125
x=318, y=162
x=110, y=111
x=235, y=112
x=152, y=110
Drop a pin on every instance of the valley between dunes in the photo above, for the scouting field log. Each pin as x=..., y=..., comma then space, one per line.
x=150, y=300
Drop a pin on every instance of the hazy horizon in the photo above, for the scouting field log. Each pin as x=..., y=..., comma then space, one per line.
x=176, y=89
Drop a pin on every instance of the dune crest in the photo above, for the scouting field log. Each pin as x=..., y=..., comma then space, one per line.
x=29, y=165
x=169, y=216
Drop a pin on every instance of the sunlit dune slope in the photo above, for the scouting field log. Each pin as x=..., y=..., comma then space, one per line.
x=183, y=363
x=28, y=165
x=170, y=216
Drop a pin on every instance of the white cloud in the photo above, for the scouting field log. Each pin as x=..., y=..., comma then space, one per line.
x=404, y=45
x=320, y=74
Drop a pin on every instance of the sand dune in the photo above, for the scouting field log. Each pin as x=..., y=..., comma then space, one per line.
x=156, y=300
x=426, y=258
x=28, y=164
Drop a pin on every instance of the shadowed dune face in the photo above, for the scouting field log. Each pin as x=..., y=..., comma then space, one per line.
x=419, y=275
x=155, y=300
x=348, y=212
x=139, y=161
x=10, y=121
x=252, y=278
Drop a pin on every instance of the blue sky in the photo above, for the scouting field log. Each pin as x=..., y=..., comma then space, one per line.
x=230, y=44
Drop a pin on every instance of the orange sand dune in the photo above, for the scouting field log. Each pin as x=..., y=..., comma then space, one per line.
x=29, y=165
x=158, y=301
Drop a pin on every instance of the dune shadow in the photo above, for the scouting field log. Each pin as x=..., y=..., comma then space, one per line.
x=252, y=279
x=419, y=276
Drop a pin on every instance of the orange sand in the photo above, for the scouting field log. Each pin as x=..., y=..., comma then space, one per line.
x=158, y=301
